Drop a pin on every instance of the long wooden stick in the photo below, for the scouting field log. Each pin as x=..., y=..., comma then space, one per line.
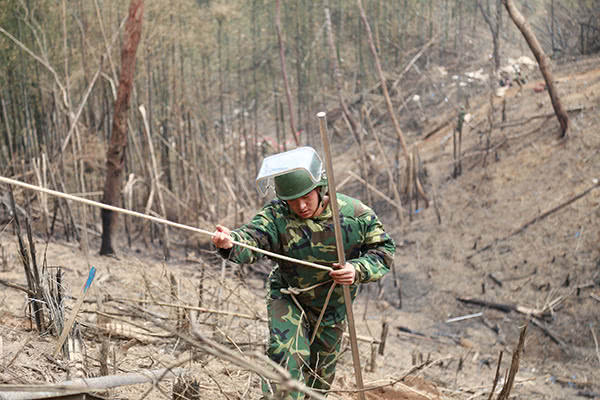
x=155, y=219
x=340, y=252
x=22, y=392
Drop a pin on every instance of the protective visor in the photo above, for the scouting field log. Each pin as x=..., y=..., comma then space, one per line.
x=301, y=158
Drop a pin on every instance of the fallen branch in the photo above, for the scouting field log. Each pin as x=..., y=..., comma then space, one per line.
x=367, y=339
x=537, y=219
x=438, y=127
x=550, y=334
x=505, y=307
x=25, y=392
x=122, y=330
x=18, y=287
x=525, y=121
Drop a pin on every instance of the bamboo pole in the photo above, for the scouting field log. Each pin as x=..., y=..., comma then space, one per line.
x=157, y=220
x=155, y=181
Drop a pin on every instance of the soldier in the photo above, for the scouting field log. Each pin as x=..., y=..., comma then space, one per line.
x=299, y=224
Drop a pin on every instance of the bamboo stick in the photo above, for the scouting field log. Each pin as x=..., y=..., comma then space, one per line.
x=155, y=180
x=157, y=220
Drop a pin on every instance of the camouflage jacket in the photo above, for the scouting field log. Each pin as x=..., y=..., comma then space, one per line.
x=277, y=229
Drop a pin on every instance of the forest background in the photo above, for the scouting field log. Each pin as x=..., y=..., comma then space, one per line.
x=209, y=75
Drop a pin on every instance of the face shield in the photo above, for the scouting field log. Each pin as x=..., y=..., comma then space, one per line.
x=299, y=159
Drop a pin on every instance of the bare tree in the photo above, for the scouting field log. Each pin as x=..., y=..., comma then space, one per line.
x=288, y=93
x=337, y=74
x=542, y=60
x=115, y=155
x=383, y=81
x=494, y=27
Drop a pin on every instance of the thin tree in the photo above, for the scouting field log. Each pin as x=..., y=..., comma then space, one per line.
x=337, y=74
x=115, y=155
x=542, y=60
x=388, y=101
x=494, y=28
x=288, y=93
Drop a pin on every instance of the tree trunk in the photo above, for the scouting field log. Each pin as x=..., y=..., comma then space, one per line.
x=383, y=81
x=337, y=74
x=494, y=29
x=115, y=155
x=542, y=60
x=288, y=93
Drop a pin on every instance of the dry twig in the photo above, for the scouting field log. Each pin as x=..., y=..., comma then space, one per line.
x=514, y=367
x=595, y=342
x=537, y=219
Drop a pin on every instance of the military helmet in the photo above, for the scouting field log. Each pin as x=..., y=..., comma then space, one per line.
x=296, y=184
x=292, y=173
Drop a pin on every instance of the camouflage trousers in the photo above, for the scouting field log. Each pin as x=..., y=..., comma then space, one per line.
x=289, y=345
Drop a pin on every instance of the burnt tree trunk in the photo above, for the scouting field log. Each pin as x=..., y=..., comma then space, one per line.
x=542, y=60
x=115, y=155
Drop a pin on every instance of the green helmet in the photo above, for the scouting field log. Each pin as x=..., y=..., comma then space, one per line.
x=296, y=184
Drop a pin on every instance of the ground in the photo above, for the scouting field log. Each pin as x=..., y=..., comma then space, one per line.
x=518, y=227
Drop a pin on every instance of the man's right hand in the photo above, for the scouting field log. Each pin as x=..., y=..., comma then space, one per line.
x=222, y=238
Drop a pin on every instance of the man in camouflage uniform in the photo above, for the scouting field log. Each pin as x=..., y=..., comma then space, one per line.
x=299, y=224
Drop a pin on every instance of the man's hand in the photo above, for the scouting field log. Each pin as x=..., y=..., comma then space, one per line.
x=343, y=274
x=222, y=238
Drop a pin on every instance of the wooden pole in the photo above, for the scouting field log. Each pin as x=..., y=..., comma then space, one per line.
x=340, y=252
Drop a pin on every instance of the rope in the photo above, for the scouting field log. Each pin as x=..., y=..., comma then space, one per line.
x=155, y=219
x=292, y=291
x=296, y=291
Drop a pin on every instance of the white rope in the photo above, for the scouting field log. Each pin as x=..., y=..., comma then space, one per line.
x=292, y=291
x=155, y=219
x=296, y=291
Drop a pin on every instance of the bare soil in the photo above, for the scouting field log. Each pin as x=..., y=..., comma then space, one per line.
x=507, y=233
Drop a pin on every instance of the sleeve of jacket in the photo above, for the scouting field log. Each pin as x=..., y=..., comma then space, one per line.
x=377, y=249
x=260, y=232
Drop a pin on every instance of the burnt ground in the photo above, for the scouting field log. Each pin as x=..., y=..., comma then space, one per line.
x=519, y=227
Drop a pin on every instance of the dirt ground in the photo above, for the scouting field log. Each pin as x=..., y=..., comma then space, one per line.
x=519, y=228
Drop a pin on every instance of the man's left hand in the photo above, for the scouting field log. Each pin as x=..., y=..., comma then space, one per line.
x=343, y=274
